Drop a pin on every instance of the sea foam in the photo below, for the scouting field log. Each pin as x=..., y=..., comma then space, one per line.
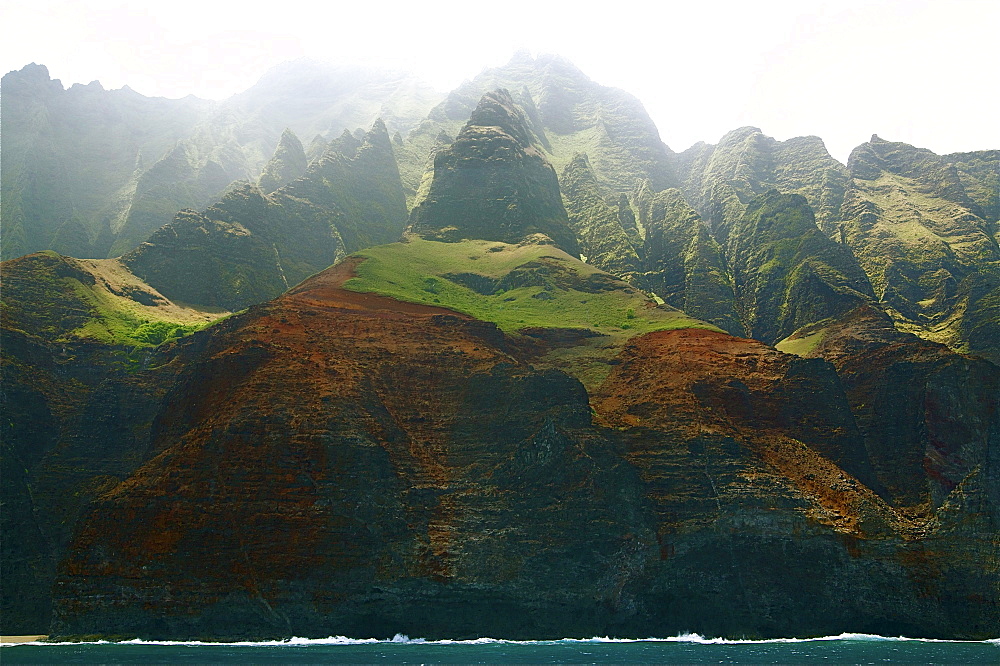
x=403, y=639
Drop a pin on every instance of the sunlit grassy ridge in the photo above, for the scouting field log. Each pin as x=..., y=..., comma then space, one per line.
x=63, y=299
x=515, y=286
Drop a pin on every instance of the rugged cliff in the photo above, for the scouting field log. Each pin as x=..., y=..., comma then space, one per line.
x=336, y=462
x=480, y=431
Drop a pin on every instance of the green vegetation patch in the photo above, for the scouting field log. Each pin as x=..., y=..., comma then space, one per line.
x=801, y=346
x=514, y=286
x=62, y=299
x=116, y=325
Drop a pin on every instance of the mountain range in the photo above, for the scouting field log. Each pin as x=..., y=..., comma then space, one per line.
x=341, y=356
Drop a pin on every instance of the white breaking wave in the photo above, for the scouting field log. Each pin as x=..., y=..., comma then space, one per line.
x=403, y=639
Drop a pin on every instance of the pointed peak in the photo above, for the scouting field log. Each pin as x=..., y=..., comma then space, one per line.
x=498, y=109
x=345, y=145
x=378, y=136
x=493, y=183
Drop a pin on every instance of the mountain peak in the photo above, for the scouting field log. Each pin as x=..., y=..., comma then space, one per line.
x=493, y=183
x=498, y=109
x=288, y=162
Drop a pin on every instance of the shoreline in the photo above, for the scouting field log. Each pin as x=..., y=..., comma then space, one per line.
x=14, y=640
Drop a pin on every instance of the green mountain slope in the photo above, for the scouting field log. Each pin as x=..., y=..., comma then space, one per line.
x=61, y=299
x=682, y=263
x=514, y=286
x=719, y=181
x=930, y=256
x=786, y=272
x=597, y=225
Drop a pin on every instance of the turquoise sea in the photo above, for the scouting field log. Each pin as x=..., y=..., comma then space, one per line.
x=688, y=649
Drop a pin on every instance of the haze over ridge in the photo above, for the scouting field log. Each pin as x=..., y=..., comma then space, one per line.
x=842, y=71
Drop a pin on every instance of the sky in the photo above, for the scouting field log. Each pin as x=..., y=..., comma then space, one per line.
x=926, y=72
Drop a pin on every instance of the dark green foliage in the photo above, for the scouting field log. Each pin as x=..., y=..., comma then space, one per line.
x=683, y=264
x=720, y=181
x=597, y=226
x=786, y=272
x=493, y=183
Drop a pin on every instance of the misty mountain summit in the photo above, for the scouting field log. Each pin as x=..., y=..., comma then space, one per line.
x=494, y=183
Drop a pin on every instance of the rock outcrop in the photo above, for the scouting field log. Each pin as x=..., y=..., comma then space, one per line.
x=288, y=163
x=494, y=183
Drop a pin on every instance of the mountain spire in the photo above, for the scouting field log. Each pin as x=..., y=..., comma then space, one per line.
x=494, y=183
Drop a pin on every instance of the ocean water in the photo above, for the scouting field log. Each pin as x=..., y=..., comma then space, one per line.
x=688, y=649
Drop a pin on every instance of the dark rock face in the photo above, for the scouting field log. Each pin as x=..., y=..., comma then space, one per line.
x=493, y=183
x=353, y=466
x=598, y=227
x=250, y=247
x=786, y=272
x=76, y=429
x=737, y=444
x=340, y=463
x=930, y=416
x=682, y=263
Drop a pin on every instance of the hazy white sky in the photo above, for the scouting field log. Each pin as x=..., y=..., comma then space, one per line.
x=922, y=71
